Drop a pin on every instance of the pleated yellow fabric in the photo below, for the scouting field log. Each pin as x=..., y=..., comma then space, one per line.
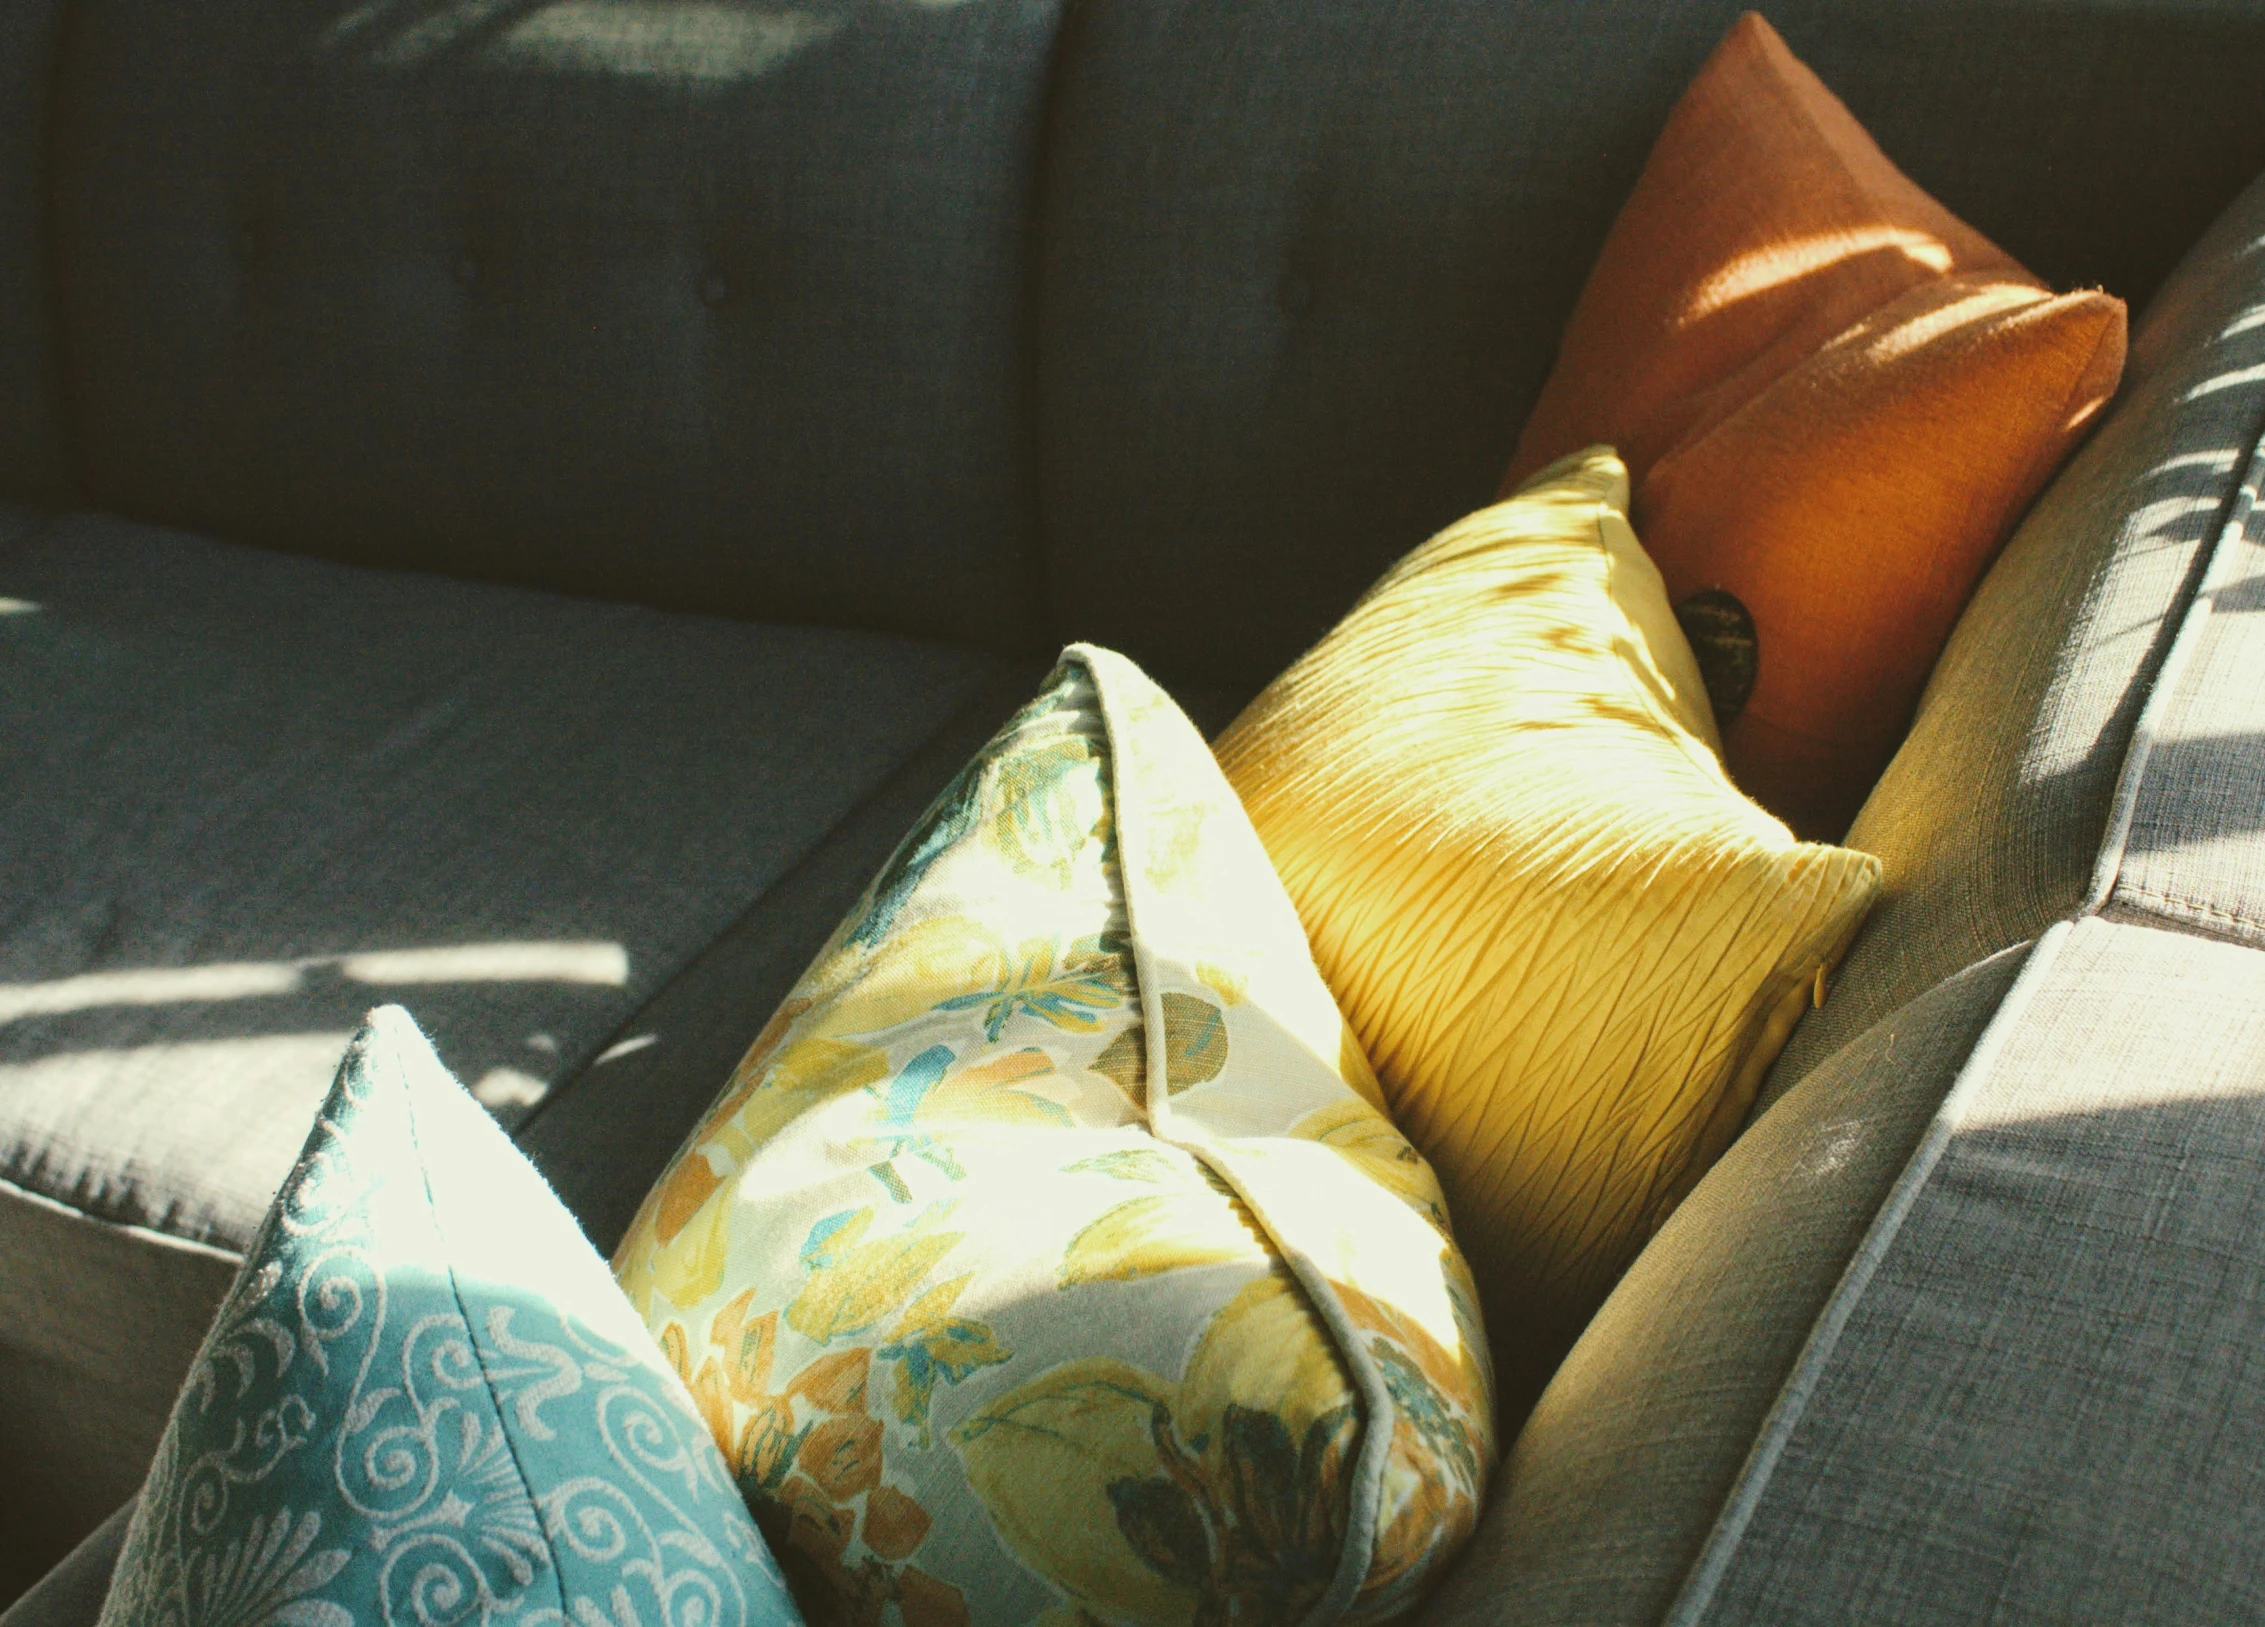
x=1568, y=943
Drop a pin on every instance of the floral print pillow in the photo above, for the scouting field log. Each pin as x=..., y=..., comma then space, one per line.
x=424, y=1401
x=1048, y=1258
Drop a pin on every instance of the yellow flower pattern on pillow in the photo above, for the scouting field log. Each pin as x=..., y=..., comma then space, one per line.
x=1004, y=1310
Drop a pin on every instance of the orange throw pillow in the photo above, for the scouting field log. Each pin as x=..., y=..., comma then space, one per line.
x=1835, y=399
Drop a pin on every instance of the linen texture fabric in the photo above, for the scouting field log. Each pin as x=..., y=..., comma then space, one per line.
x=1615, y=1481
x=716, y=309
x=2034, y=1396
x=1568, y=943
x=1835, y=400
x=1991, y=818
x=34, y=433
x=2045, y=1341
x=1048, y=1257
x=1962, y=1327
x=425, y=1400
x=1303, y=269
x=246, y=796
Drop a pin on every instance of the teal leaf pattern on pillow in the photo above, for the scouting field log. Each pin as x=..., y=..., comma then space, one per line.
x=425, y=1402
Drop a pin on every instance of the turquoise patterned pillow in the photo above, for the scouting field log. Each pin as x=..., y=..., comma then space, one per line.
x=425, y=1401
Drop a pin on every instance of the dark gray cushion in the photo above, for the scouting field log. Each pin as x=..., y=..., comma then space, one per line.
x=248, y=796
x=713, y=306
x=2037, y=1394
x=1990, y=818
x=71, y=1595
x=1304, y=267
x=33, y=452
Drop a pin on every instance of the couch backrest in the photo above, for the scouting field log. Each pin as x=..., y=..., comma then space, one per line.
x=34, y=462
x=708, y=303
x=1304, y=266
x=830, y=311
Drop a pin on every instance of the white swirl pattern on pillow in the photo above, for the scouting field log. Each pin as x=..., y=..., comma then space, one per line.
x=425, y=1402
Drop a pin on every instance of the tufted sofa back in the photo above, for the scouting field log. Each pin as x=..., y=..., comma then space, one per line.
x=1165, y=323
x=707, y=303
x=1306, y=261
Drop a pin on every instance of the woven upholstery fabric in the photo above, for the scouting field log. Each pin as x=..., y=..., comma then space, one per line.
x=2194, y=849
x=1618, y=1476
x=709, y=306
x=247, y=790
x=1303, y=270
x=1989, y=818
x=245, y=795
x=2014, y=1382
x=71, y=1594
x=2037, y=1398
x=101, y=1320
x=34, y=462
x=2029, y=1398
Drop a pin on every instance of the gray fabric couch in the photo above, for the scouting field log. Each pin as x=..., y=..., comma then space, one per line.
x=513, y=506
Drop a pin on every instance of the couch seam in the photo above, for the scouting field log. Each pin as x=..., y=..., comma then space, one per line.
x=984, y=695
x=2187, y=911
x=1727, y=1534
x=2233, y=527
x=150, y=1234
x=1791, y=1406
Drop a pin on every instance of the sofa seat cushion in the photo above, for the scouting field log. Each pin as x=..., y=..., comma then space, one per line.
x=2033, y=1396
x=245, y=798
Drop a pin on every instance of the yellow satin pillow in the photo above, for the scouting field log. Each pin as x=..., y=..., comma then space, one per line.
x=1568, y=943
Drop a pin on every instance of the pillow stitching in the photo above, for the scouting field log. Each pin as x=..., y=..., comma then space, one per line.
x=1380, y=1415
x=1727, y=1536
x=456, y=1293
